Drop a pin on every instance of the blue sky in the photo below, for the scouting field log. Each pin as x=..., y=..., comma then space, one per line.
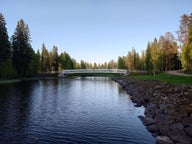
x=95, y=30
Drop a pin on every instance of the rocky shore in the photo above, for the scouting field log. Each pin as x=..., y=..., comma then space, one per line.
x=168, y=108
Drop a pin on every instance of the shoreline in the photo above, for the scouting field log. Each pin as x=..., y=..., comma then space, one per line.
x=37, y=77
x=168, y=108
x=25, y=79
x=54, y=76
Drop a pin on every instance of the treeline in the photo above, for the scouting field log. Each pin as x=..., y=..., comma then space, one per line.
x=160, y=55
x=18, y=59
x=165, y=53
x=52, y=62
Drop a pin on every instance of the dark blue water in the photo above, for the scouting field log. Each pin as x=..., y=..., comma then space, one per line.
x=80, y=110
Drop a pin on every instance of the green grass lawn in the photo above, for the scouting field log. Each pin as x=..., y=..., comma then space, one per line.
x=165, y=77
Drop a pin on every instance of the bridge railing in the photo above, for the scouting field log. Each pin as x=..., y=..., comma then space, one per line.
x=75, y=71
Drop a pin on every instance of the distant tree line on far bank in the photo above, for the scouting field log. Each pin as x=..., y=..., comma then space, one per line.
x=18, y=59
x=165, y=53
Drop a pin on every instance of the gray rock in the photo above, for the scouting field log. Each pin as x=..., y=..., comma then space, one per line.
x=162, y=107
x=169, y=110
x=180, y=137
x=177, y=127
x=163, y=140
x=147, y=121
x=160, y=117
x=153, y=128
x=137, y=101
x=165, y=108
x=187, y=121
x=151, y=110
x=164, y=128
x=189, y=131
x=186, y=93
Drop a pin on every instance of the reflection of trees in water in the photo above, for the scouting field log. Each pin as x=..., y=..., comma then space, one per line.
x=4, y=97
x=52, y=110
x=14, y=100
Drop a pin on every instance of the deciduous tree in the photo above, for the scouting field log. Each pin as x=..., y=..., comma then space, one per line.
x=187, y=48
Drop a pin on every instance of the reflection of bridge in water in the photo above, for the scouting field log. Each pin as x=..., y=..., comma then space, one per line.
x=80, y=71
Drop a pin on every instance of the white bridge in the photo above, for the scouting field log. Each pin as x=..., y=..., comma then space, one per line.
x=79, y=71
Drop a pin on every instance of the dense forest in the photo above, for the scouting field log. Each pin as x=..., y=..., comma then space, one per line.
x=18, y=58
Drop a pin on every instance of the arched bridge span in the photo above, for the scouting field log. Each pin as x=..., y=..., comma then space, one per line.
x=80, y=71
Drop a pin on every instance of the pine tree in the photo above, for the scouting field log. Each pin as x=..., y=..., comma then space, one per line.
x=155, y=56
x=142, y=61
x=132, y=61
x=161, y=53
x=82, y=64
x=6, y=68
x=183, y=29
x=149, y=65
x=22, y=50
x=66, y=61
x=76, y=65
x=121, y=62
x=35, y=64
x=4, y=41
x=94, y=65
x=129, y=61
x=54, y=59
x=112, y=64
x=45, y=61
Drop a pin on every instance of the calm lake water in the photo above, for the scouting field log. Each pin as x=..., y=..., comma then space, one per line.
x=79, y=110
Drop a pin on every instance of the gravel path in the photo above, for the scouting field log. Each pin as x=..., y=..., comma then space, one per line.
x=179, y=73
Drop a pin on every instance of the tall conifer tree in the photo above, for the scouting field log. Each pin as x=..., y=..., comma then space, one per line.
x=66, y=61
x=54, y=59
x=183, y=29
x=45, y=61
x=6, y=69
x=4, y=41
x=22, y=50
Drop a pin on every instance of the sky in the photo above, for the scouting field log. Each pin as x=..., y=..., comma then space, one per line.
x=95, y=30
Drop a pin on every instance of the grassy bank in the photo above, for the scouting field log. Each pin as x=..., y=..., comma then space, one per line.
x=164, y=77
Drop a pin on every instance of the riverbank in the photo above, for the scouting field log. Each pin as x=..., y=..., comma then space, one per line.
x=55, y=76
x=36, y=77
x=168, y=108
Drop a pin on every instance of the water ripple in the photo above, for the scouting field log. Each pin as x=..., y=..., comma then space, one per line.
x=82, y=110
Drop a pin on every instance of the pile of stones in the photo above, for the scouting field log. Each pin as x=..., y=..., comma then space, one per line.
x=168, y=108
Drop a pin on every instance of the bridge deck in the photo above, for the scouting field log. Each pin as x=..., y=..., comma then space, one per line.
x=76, y=71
